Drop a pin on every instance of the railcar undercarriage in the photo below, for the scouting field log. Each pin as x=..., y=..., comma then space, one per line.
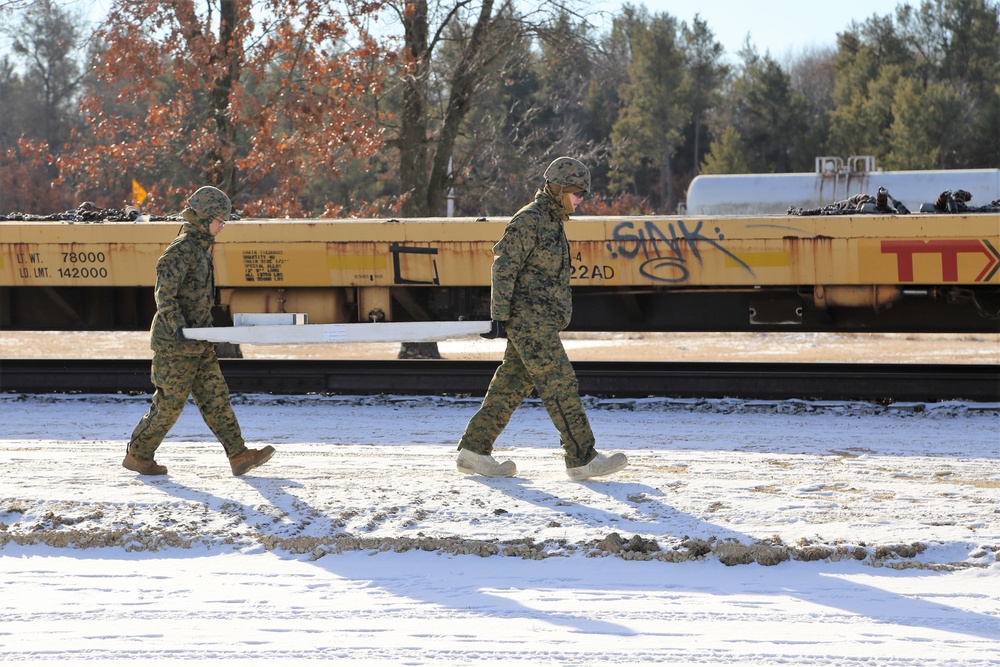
x=917, y=309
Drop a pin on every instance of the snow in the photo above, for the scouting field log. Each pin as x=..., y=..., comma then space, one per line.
x=751, y=533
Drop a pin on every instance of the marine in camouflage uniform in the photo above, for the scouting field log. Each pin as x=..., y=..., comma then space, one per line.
x=185, y=294
x=531, y=302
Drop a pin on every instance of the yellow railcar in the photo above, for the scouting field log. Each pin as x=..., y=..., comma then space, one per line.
x=936, y=272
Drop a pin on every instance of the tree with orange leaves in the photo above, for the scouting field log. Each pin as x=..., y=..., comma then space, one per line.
x=259, y=99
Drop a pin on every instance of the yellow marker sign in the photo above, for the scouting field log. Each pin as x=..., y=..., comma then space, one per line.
x=139, y=193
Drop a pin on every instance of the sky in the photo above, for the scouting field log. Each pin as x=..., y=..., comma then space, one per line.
x=359, y=542
x=781, y=27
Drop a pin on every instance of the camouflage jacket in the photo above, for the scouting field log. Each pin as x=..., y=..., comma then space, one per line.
x=185, y=291
x=531, y=268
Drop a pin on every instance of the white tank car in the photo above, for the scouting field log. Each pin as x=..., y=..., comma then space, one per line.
x=746, y=194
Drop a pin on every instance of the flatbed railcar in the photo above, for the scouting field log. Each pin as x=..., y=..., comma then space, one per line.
x=872, y=272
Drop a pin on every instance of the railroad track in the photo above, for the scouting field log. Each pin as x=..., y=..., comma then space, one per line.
x=883, y=383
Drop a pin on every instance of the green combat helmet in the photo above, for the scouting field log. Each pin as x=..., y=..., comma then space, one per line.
x=568, y=172
x=210, y=203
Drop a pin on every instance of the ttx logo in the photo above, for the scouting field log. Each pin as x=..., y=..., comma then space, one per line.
x=949, y=250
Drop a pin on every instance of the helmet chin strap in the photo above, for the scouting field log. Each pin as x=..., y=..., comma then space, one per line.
x=192, y=216
x=557, y=192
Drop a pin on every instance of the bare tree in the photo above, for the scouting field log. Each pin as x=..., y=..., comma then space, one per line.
x=452, y=53
x=451, y=49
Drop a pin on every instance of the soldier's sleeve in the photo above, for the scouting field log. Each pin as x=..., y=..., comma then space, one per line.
x=509, y=256
x=171, y=269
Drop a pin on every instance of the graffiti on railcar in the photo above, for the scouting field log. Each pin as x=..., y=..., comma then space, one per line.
x=662, y=252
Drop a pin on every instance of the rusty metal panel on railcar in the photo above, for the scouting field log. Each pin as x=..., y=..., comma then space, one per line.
x=790, y=250
x=46, y=254
x=352, y=264
x=356, y=253
x=640, y=251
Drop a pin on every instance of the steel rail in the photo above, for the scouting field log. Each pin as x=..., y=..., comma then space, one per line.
x=878, y=382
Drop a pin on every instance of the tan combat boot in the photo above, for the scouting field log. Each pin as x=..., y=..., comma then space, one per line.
x=470, y=463
x=143, y=467
x=600, y=465
x=249, y=459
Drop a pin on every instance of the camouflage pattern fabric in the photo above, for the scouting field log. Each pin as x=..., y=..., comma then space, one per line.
x=175, y=377
x=531, y=267
x=531, y=292
x=568, y=172
x=210, y=203
x=534, y=359
x=185, y=294
x=184, y=291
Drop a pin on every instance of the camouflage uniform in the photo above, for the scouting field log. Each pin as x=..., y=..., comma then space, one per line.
x=185, y=294
x=531, y=293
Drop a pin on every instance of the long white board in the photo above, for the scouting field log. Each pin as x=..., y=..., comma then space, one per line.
x=364, y=332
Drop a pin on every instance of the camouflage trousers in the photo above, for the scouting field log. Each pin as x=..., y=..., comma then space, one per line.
x=175, y=377
x=534, y=359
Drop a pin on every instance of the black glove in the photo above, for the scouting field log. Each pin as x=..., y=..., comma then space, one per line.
x=179, y=335
x=498, y=329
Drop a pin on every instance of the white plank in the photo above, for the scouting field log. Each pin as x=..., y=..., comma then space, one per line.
x=364, y=332
x=260, y=319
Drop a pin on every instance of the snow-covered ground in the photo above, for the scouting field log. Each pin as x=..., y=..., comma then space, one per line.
x=744, y=533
